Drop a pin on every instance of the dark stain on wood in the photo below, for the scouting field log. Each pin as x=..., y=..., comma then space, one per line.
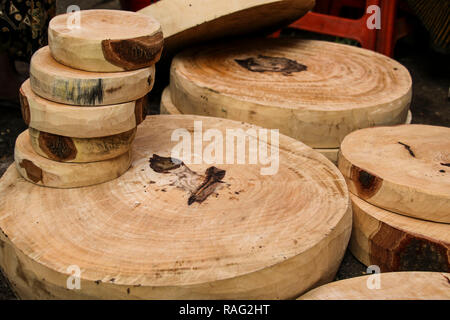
x=84, y=92
x=213, y=176
x=34, y=173
x=140, y=109
x=24, y=107
x=135, y=53
x=112, y=90
x=394, y=250
x=407, y=147
x=271, y=64
x=367, y=185
x=445, y=164
x=56, y=147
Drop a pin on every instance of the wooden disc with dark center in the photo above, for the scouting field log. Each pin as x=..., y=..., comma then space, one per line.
x=56, y=82
x=314, y=91
x=404, y=169
x=105, y=40
x=138, y=236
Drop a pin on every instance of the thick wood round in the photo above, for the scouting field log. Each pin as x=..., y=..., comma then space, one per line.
x=56, y=82
x=314, y=91
x=105, y=40
x=260, y=236
x=394, y=286
x=78, y=121
x=398, y=243
x=404, y=169
x=167, y=107
x=49, y=173
x=187, y=22
x=67, y=149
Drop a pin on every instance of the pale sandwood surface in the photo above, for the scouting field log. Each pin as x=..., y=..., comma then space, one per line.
x=49, y=173
x=261, y=236
x=79, y=121
x=67, y=149
x=141, y=43
x=167, y=107
x=344, y=88
x=405, y=169
x=56, y=82
x=398, y=243
x=187, y=22
x=394, y=286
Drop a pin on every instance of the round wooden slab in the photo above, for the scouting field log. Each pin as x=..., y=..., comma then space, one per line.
x=314, y=91
x=66, y=149
x=394, y=286
x=398, y=243
x=45, y=172
x=167, y=107
x=78, y=121
x=105, y=40
x=404, y=169
x=260, y=236
x=187, y=22
x=56, y=82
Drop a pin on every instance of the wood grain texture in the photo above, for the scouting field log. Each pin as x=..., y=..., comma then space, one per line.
x=398, y=243
x=404, y=169
x=67, y=149
x=188, y=22
x=77, y=121
x=261, y=81
x=394, y=286
x=49, y=173
x=167, y=107
x=111, y=41
x=259, y=237
x=56, y=82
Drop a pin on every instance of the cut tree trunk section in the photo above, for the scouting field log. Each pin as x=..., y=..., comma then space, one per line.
x=49, y=173
x=56, y=82
x=67, y=149
x=167, y=107
x=393, y=286
x=187, y=22
x=314, y=91
x=398, y=243
x=105, y=40
x=77, y=121
x=404, y=169
x=141, y=235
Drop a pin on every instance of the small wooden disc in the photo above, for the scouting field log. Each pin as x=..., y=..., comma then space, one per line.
x=56, y=82
x=398, y=243
x=105, y=40
x=260, y=236
x=187, y=22
x=66, y=149
x=78, y=121
x=394, y=286
x=404, y=169
x=45, y=172
x=314, y=91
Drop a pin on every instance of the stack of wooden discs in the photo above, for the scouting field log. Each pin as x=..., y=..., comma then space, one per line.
x=314, y=91
x=85, y=97
x=399, y=178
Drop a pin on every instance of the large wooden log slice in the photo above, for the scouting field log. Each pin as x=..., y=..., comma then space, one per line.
x=167, y=107
x=259, y=236
x=394, y=286
x=49, y=173
x=398, y=243
x=56, y=82
x=187, y=22
x=314, y=91
x=67, y=149
x=79, y=121
x=404, y=169
x=105, y=40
